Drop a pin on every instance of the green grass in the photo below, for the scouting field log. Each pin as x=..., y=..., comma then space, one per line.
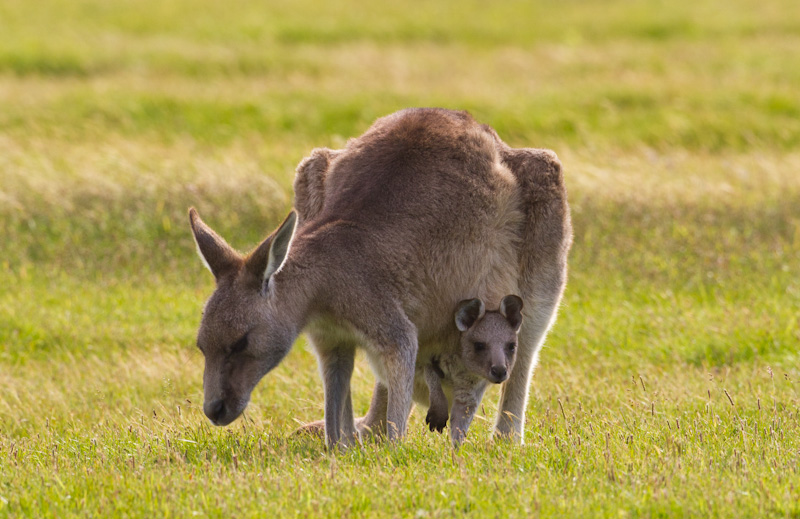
x=669, y=387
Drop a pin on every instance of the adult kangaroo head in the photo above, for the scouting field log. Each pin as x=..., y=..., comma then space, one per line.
x=244, y=331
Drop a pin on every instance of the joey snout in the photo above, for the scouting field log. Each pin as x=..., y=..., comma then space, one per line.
x=498, y=374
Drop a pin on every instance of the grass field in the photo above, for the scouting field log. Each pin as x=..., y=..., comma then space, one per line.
x=669, y=386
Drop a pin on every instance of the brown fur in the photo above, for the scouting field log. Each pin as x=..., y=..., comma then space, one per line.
x=309, y=183
x=427, y=208
x=486, y=354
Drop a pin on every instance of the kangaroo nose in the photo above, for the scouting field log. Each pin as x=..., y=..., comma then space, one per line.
x=499, y=373
x=214, y=410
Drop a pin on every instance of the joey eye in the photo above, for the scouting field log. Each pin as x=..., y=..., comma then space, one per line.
x=511, y=346
x=239, y=346
x=479, y=346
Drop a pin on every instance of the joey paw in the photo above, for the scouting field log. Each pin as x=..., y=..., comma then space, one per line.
x=436, y=420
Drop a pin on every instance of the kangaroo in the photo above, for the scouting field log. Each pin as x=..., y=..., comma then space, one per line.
x=424, y=210
x=487, y=353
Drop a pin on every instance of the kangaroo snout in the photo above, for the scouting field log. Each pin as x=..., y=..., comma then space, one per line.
x=499, y=374
x=214, y=410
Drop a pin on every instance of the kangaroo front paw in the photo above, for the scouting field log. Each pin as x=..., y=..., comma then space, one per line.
x=436, y=420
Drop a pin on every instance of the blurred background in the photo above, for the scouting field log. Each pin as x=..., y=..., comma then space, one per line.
x=677, y=123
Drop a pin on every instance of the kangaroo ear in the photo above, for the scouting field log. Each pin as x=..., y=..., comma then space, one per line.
x=217, y=255
x=468, y=312
x=511, y=309
x=270, y=256
x=309, y=182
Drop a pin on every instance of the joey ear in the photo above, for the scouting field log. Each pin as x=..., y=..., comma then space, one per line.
x=511, y=309
x=217, y=255
x=468, y=313
x=269, y=257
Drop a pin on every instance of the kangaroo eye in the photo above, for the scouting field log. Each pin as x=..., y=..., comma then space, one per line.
x=511, y=346
x=239, y=346
x=479, y=346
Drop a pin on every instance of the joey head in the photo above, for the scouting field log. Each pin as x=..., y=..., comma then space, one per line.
x=486, y=353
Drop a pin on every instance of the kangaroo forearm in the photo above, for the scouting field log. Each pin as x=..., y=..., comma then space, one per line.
x=461, y=417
